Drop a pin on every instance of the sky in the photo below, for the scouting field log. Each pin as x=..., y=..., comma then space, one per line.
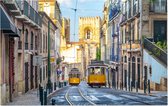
x=84, y=8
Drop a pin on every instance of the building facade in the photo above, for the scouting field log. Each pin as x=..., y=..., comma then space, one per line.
x=22, y=74
x=104, y=33
x=141, y=20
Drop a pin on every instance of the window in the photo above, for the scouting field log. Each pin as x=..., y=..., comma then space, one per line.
x=133, y=35
x=26, y=40
x=125, y=58
x=88, y=33
x=32, y=39
x=159, y=6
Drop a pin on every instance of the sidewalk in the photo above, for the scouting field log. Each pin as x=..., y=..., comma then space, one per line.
x=152, y=93
x=30, y=98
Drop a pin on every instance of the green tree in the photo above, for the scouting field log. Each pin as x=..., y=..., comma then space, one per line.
x=98, y=53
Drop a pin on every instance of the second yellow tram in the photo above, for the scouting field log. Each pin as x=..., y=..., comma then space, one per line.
x=96, y=74
x=74, y=77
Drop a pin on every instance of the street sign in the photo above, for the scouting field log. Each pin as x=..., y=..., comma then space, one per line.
x=37, y=60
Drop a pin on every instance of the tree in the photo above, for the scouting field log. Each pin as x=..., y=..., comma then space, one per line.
x=98, y=53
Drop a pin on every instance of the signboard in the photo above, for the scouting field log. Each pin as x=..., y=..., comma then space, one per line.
x=52, y=59
x=59, y=71
x=37, y=60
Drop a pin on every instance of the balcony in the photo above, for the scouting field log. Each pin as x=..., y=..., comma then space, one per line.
x=12, y=5
x=135, y=46
x=113, y=12
x=26, y=46
x=135, y=10
x=22, y=10
x=124, y=18
x=155, y=51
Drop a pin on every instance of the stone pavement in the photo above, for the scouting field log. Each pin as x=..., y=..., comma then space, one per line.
x=29, y=98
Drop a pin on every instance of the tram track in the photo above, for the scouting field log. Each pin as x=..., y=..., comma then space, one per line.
x=85, y=101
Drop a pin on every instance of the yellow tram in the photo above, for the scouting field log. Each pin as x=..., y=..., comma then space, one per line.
x=74, y=77
x=96, y=74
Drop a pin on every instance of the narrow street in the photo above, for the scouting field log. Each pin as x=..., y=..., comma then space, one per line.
x=83, y=52
x=102, y=96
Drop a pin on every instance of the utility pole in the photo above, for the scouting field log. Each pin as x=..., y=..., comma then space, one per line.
x=49, y=64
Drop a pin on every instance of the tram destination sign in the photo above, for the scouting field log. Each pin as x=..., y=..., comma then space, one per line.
x=97, y=62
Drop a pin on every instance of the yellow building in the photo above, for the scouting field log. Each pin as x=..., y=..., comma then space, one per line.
x=52, y=9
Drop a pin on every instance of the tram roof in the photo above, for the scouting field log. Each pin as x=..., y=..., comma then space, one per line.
x=74, y=69
x=97, y=65
x=74, y=72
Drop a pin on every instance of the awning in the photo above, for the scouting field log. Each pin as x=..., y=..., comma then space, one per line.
x=6, y=25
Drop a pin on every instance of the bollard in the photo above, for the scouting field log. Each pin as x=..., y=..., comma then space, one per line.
x=136, y=86
x=39, y=92
x=148, y=86
x=131, y=85
x=41, y=95
x=144, y=86
x=59, y=84
x=54, y=85
x=45, y=97
x=53, y=101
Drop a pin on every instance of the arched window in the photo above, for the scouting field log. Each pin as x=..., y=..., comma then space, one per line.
x=125, y=59
x=32, y=39
x=88, y=34
x=133, y=59
x=26, y=36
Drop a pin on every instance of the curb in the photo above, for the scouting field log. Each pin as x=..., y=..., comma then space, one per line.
x=48, y=96
x=139, y=93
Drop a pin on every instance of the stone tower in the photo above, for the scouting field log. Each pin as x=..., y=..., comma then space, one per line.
x=89, y=34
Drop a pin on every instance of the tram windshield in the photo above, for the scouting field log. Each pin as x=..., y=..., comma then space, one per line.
x=74, y=75
x=97, y=70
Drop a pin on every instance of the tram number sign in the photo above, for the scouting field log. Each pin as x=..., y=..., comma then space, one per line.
x=97, y=62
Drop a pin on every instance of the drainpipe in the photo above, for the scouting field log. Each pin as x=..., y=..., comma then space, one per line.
x=49, y=64
x=140, y=37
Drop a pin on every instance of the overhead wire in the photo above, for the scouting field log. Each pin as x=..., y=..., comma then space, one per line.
x=75, y=9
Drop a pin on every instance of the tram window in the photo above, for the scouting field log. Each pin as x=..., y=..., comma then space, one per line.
x=97, y=70
x=102, y=70
x=70, y=75
x=91, y=71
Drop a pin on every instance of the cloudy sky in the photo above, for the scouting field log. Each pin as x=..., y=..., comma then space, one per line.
x=85, y=8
